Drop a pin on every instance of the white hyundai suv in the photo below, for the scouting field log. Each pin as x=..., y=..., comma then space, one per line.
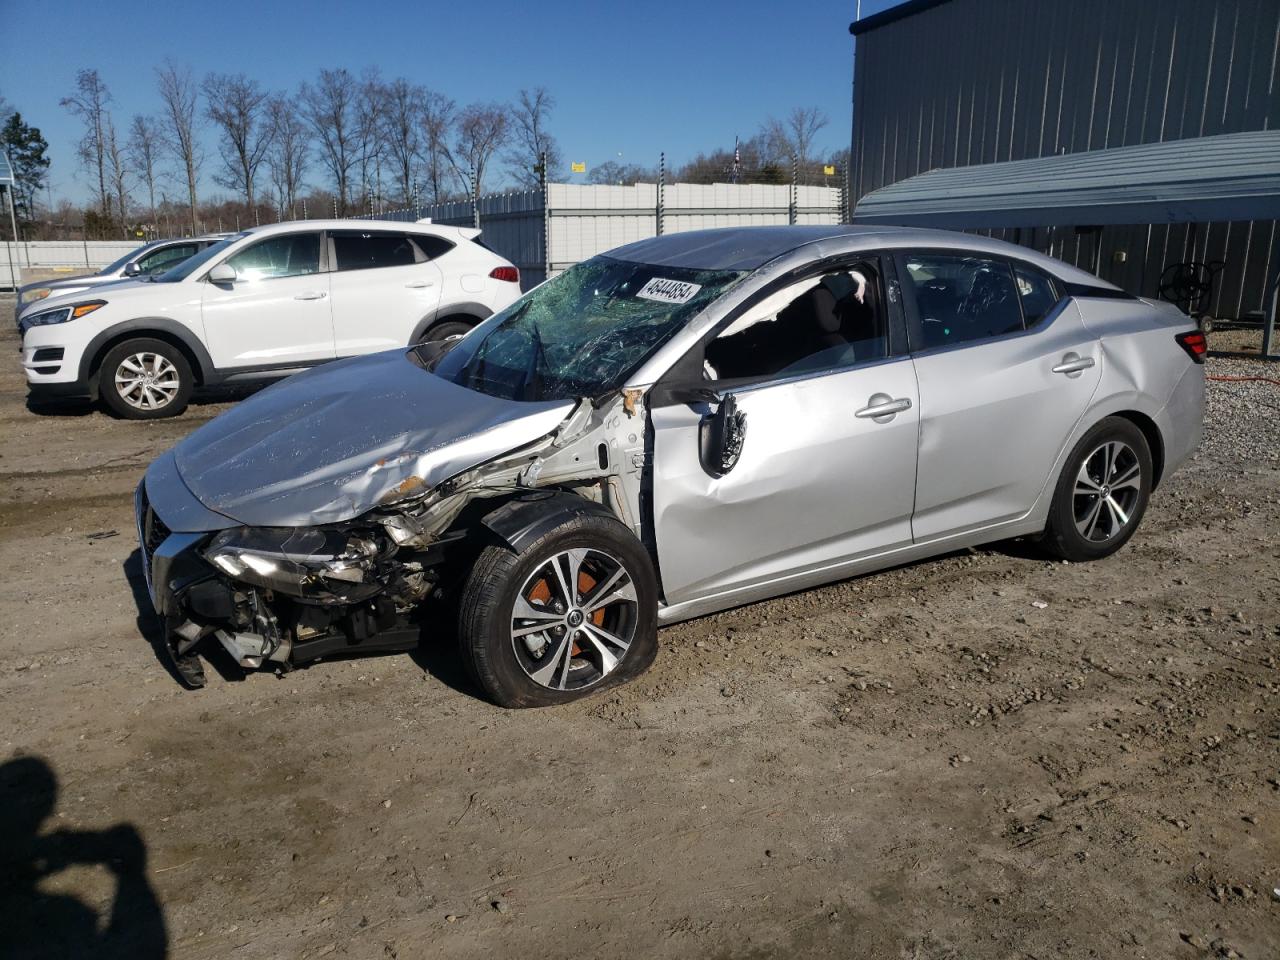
x=262, y=304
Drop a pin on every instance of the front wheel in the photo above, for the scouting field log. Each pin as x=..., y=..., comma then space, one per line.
x=1102, y=493
x=145, y=379
x=571, y=613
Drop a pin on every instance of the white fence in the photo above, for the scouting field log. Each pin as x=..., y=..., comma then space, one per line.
x=71, y=256
x=541, y=238
x=577, y=222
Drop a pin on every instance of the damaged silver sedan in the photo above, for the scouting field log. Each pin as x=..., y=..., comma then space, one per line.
x=683, y=425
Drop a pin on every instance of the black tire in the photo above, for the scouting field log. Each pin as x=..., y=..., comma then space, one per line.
x=1086, y=525
x=166, y=395
x=446, y=329
x=504, y=665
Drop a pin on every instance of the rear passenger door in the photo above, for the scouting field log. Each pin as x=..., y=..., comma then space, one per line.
x=384, y=282
x=1006, y=368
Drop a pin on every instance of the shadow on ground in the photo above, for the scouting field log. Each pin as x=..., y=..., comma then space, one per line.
x=37, y=923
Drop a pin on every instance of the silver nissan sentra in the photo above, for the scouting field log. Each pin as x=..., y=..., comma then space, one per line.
x=681, y=425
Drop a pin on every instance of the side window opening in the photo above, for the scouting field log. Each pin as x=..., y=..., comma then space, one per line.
x=826, y=322
x=962, y=298
x=369, y=251
x=1037, y=293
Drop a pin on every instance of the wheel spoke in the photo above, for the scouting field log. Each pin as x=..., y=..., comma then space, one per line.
x=1130, y=478
x=1117, y=514
x=566, y=595
x=1090, y=521
x=610, y=591
x=524, y=610
x=599, y=638
x=545, y=675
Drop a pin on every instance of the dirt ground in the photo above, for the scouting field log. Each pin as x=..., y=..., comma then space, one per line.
x=982, y=756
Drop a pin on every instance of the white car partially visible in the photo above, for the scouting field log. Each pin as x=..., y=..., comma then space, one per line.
x=258, y=305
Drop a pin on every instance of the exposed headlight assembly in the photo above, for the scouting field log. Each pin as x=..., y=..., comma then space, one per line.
x=31, y=296
x=312, y=564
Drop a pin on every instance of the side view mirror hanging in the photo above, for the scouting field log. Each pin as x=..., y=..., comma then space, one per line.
x=721, y=436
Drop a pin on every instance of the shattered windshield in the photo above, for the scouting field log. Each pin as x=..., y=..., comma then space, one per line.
x=582, y=333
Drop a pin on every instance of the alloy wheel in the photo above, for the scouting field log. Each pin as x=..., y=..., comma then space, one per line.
x=1107, y=490
x=147, y=381
x=574, y=619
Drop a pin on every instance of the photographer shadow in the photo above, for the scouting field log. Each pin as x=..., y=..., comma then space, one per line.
x=38, y=923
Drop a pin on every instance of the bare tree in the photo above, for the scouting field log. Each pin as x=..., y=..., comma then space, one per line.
x=793, y=137
x=530, y=120
x=402, y=132
x=178, y=94
x=287, y=158
x=480, y=131
x=370, y=127
x=89, y=103
x=237, y=107
x=329, y=108
x=144, y=155
x=436, y=117
x=117, y=173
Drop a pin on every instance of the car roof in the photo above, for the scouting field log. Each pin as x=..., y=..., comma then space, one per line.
x=437, y=229
x=748, y=248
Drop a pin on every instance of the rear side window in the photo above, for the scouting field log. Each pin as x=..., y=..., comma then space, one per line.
x=369, y=251
x=963, y=298
x=432, y=247
x=1037, y=293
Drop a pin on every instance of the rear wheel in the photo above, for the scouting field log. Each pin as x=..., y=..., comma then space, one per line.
x=446, y=329
x=145, y=379
x=573, y=612
x=1102, y=493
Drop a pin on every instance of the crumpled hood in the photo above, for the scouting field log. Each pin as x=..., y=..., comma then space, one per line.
x=329, y=444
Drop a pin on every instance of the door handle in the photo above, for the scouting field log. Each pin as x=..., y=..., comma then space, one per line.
x=313, y=295
x=882, y=408
x=1073, y=364
x=420, y=284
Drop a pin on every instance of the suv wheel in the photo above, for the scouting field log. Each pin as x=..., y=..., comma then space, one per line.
x=145, y=379
x=1102, y=493
x=573, y=612
x=446, y=329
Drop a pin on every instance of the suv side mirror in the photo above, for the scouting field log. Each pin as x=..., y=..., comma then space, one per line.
x=223, y=273
x=133, y=269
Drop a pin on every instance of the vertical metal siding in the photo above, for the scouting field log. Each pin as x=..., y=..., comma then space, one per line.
x=981, y=81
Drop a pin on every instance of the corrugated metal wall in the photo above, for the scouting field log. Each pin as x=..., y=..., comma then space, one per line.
x=981, y=81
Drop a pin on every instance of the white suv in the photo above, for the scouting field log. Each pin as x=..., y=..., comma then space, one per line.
x=262, y=304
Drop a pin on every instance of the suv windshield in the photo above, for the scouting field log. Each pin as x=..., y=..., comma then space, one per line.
x=189, y=266
x=582, y=333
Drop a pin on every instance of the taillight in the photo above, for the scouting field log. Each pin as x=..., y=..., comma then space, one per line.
x=1194, y=343
x=509, y=274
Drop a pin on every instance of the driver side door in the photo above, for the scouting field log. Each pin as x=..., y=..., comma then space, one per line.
x=827, y=468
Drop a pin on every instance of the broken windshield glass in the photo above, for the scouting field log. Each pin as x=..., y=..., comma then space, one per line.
x=582, y=333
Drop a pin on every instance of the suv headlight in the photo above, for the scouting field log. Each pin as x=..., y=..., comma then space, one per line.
x=31, y=296
x=62, y=314
x=320, y=565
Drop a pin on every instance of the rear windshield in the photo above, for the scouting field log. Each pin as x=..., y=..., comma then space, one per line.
x=582, y=333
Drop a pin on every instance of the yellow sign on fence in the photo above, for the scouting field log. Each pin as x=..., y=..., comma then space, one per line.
x=829, y=170
x=578, y=166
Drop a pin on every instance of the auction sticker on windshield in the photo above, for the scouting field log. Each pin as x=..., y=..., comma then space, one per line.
x=668, y=291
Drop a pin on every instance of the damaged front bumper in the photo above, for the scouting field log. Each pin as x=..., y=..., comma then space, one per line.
x=239, y=587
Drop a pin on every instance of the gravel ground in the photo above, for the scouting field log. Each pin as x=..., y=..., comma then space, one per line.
x=986, y=755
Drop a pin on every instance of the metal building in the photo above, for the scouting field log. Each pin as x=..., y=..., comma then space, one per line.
x=951, y=83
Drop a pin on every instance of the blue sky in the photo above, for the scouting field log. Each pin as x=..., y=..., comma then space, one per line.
x=630, y=78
